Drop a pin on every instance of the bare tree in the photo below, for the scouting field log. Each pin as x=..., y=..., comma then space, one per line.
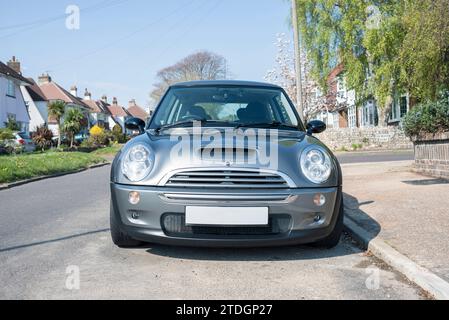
x=283, y=74
x=203, y=65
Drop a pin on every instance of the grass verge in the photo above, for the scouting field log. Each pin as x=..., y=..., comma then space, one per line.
x=25, y=166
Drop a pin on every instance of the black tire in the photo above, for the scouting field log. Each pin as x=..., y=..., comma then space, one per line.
x=333, y=239
x=120, y=238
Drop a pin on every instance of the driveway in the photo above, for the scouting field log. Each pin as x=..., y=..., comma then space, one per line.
x=50, y=230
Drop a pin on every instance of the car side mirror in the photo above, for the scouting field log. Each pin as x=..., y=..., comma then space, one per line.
x=135, y=124
x=315, y=126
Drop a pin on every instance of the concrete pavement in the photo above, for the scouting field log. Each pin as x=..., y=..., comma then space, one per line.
x=406, y=210
x=52, y=228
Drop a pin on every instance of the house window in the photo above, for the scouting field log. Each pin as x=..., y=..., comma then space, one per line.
x=352, y=117
x=341, y=88
x=403, y=106
x=336, y=118
x=369, y=114
x=400, y=108
x=11, y=90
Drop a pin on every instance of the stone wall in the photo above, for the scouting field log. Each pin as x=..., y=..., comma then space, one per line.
x=366, y=138
x=432, y=155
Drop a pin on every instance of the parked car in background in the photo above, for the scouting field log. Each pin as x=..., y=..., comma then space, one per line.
x=23, y=139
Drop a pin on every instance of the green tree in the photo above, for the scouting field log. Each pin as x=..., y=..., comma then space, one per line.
x=56, y=110
x=12, y=124
x=72, y=124
x=386, y=46
x=425, y=50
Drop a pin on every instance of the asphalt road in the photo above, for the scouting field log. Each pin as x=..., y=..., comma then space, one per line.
x=52, y=228
x=375, y=156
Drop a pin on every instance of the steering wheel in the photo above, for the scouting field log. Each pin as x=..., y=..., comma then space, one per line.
x=192, y=117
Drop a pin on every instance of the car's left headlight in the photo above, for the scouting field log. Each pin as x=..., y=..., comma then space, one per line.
x=316, y=164
x=137, y=163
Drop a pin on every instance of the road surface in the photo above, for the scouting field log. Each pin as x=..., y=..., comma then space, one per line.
x=56, y=231
x=374, y=156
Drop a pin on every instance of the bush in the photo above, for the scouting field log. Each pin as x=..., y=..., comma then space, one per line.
x=6, y=134
x=96, y=130
x=429, y=117
x=8, y=143
x=43, y=138
x=117, y=134
x=97, y=141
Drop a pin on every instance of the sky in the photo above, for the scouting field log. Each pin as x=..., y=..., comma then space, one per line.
x=121, y=44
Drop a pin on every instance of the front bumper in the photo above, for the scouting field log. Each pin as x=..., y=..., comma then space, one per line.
x=145, y=221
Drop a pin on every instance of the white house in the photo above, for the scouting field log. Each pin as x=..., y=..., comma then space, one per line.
x=54, y=92
x=97, y=114
x=37, y=105
x=12, y=103
x=118, y=115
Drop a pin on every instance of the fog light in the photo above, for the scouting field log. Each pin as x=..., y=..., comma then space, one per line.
x=135, y=215
x=134, y=197
x=317, y=218
x=319, y=199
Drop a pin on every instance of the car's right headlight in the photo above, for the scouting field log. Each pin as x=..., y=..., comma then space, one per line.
x=137, y=163
x=316, y=164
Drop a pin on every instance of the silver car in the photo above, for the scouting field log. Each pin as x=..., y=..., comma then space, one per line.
x=24, y=140
x=226, y=164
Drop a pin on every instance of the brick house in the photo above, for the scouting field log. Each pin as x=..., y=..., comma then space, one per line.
x=342, y=110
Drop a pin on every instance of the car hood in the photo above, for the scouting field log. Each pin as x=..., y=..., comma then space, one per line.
x=286, y=146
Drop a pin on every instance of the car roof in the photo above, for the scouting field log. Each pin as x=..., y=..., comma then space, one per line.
x=237, y=83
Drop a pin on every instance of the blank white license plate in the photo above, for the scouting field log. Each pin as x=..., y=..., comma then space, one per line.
x=226, y=216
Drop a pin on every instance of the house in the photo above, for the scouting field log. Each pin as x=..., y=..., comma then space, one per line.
x=54, y=92
x=118, y=115
x=12, y=103
x=343, y=111
x=97, y=113
x=137, y=112
x=37, y=105
x=104, y=105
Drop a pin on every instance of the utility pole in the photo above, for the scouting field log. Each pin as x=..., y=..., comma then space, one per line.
x=298, y=68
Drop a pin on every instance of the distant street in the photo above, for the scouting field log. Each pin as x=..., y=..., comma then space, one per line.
x=374, y=156
x=52, y=227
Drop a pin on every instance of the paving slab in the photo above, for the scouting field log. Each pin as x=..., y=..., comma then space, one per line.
x=408, y=211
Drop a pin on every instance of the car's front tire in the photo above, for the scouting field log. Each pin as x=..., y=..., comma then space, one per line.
x=119, y=237
x=333, y=239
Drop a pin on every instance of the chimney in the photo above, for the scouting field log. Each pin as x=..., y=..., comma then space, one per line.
x=114, y=101
x=87, y=95
x=44, y=79
x=132, y=103
x=74, y=91
x=104, y=98
x=15, y=65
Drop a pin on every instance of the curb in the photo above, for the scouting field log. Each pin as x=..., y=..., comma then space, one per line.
x=421, y=276
x=22, y=182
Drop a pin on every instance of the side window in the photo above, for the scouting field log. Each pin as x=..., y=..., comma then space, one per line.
x=286, y=113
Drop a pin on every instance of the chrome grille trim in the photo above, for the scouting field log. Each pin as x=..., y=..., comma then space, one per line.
x=228, y=197
x=227, y=179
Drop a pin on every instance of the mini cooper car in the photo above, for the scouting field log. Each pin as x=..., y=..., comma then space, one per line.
x=226, y=164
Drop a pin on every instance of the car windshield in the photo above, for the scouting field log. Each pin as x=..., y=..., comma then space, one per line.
x=226, y=106
x=24, y=135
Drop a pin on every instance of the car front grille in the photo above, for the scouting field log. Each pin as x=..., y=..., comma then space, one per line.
x=227, y=179
x=174, y=225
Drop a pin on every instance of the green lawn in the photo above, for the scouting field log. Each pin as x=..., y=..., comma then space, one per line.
x=25, y=166
x=108, y=151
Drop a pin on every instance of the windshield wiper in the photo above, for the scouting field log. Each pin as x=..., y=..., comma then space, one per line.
x=179, y=124
x=274, y=124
